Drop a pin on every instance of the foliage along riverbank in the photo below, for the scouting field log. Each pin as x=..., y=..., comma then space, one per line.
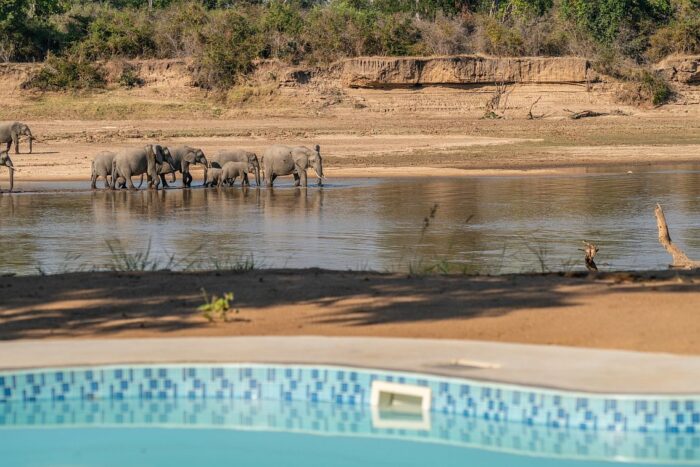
x=226, y=37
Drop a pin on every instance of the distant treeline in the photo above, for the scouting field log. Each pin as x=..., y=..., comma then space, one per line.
x=224, y=37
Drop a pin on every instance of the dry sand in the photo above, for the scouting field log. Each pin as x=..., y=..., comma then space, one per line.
x=392, y=148
x=656, y=311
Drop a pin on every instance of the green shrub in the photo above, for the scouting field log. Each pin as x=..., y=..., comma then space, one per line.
x=603, y=19
x=501, y=40
x=397, y=35
x=176, y=30
x=655, y=89
x=281, y=25
x=230, y=43
x=119, y=33
x=444, y=36
x=682, y=36
x=340, y=30
x=216, y=308
x=67, y=72
x=129, y=77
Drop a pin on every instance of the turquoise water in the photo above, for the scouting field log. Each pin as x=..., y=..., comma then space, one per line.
x=182, y=433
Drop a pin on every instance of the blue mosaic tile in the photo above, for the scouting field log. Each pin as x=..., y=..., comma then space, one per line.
x=486, y=401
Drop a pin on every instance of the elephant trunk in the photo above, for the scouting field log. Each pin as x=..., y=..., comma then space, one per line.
x=31, y=140
x=318, y=168
x=257, y=175
x=115, y=175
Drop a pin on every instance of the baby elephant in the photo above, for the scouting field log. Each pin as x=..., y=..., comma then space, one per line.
x=232, y=170
x=213, y=177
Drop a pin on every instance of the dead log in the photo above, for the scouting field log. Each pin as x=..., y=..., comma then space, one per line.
x=590, y=252
x=680, y=259
x=585, y=114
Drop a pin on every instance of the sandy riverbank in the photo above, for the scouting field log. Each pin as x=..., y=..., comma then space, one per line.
x=393, y=148
x=653, y=311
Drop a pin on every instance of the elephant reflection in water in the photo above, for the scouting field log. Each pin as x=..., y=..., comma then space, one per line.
x=300, y=201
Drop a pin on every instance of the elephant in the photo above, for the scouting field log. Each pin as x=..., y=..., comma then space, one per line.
x=213, y=177
x=102, y=167
x=146, y=160
x=7, y=162
x=237, y=155
x=281, y=160
x=10, y=133
x=183, y=156
x=232, y=170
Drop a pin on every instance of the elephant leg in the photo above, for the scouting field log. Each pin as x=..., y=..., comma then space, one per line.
x=162, y=179
x=129, y=182
x=302, y=176
x=93, y=181
x=187, y=179
x=296, y=179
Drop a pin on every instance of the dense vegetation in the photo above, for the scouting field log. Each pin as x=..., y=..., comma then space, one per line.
x=224, y=37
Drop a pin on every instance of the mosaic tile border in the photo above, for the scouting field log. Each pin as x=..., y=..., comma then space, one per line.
x=351, y=386
x=344, y=420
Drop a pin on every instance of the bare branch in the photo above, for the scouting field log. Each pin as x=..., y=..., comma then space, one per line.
x=590, y=251
x=680, y=259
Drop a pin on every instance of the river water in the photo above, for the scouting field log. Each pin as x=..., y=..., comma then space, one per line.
x=489, y=225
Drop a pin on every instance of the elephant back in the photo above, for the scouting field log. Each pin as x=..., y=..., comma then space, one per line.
x=233, y=155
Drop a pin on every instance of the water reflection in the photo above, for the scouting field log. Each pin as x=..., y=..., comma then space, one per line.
x=495, y=225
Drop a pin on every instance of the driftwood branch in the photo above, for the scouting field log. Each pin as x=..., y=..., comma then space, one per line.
x=590, y=252
x=530, y=116
x=585, y=114
x=680, y=259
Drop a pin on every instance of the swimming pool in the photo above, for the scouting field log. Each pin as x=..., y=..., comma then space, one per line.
x=182, y=415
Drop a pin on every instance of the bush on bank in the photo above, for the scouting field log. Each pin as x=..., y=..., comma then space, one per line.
x=226, y=36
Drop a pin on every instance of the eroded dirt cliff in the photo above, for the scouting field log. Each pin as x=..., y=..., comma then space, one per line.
x=463, y=69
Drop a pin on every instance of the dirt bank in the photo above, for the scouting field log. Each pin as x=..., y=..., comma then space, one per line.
x=368, y=147
x=655, y=311
x=433, y=129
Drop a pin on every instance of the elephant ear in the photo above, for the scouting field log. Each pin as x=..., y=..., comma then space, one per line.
x=190, y=157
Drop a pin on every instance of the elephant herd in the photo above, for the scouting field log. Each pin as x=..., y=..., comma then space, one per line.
x=156, y=161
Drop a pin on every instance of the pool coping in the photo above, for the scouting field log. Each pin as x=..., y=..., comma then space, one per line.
x=550, y=367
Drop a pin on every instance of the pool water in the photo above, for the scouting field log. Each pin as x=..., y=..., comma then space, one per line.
x=182, y=415
x=135, y=433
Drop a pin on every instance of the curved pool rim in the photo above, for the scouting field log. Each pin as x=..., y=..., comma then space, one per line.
x=351, y=386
